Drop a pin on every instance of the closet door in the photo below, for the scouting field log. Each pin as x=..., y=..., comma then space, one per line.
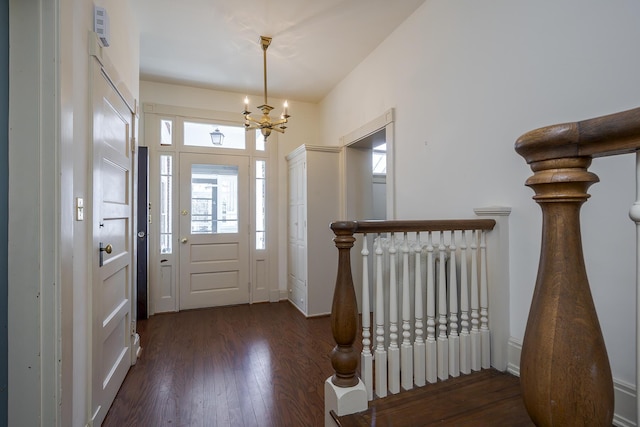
x=297, y=252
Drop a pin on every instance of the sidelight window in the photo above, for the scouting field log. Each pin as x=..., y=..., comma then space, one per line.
x=166, y=194
x=261, y=203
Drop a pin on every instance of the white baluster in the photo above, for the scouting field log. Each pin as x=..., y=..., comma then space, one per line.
x=465, y=338
x=419, y=361
x=485, y=334
x=394, y=350
x=431, y=344
x=380, y=353
x=366, y=358
x=475, y=316
x=454, y=338
x=443, y=342
x=406, y=350
x=634, y=214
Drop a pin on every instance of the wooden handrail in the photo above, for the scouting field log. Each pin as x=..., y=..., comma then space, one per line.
x=408, y=226
x=564, y=369
x=344, y=309
x=609, y=135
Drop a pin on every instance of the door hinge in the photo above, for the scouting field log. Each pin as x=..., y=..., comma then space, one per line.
x=133, y=144
x=133, y=328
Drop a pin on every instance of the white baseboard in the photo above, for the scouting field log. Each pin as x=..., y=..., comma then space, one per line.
x=137, y=349
x=275, y=295
x=623, y=392
x=513, y=356
x=625, y=397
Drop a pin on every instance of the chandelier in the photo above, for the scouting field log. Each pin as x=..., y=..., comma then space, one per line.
x=264, y=123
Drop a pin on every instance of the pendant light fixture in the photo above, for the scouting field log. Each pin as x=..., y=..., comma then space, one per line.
x=264, y=123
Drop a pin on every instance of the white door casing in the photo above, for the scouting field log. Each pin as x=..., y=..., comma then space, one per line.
x=214, y=247
x=112, y=243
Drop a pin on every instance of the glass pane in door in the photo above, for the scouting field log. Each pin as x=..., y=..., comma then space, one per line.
x=166, y=207
x=261, y=204
x=214, y=199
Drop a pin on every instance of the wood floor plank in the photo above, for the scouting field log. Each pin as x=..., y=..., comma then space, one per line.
x=265, y=365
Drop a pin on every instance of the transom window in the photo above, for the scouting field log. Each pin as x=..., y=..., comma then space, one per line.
x=198, y=134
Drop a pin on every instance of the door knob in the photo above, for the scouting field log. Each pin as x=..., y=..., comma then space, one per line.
x=108, y=249
x=184, y=240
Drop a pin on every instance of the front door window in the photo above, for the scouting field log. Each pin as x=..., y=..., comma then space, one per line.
x=214, y=199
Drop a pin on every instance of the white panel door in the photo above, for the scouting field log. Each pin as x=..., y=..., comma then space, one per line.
x=297, y=275
x=112, y=245
x=214, y=230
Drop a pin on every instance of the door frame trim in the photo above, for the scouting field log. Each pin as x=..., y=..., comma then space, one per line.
x=34, y=278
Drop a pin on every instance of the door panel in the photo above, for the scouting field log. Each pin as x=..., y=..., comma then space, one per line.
x=214, y=230
x=112, y=244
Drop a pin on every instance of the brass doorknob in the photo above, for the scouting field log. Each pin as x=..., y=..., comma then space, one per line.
x=184, y=240
x=108, y=249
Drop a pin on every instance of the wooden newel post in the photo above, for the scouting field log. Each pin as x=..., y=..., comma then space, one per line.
x=564, y=369
x=344, y=311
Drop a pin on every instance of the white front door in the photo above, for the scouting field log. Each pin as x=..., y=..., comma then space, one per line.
x=214, y=230
x=112, y=245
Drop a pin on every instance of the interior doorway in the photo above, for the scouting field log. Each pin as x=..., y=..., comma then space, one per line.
x=368, y=195
x=367, y=177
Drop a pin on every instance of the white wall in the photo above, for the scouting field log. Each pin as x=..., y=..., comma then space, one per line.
x=379, y=198
x=466, y=78
x=302, y=129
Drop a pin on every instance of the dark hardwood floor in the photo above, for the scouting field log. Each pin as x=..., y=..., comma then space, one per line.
x=265, y=365
x=485, y=398
x=248, y=365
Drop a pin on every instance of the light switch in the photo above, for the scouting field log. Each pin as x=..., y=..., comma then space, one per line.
x=79, y=209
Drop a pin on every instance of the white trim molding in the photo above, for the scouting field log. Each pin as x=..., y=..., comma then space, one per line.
x=34, y=305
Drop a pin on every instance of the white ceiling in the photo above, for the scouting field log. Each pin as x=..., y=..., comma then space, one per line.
x=216, y=43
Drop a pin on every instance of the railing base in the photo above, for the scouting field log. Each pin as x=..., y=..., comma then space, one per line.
x=343, y=400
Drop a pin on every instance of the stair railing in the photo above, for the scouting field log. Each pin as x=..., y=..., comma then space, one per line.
x=564, y=369
x=419, y=347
